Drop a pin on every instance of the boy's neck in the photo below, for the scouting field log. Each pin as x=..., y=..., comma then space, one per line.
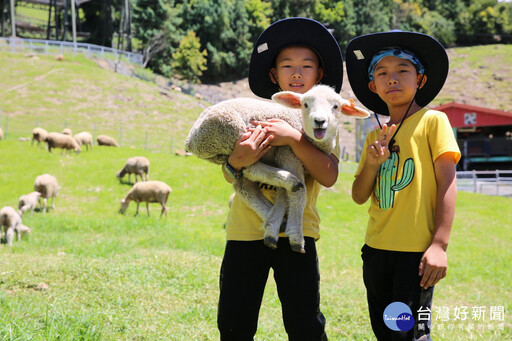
x=396, y=114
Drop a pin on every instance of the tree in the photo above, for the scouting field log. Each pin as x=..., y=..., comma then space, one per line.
x=189, y=61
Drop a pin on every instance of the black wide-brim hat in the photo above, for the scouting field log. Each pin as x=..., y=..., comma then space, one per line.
x=428, y=50
x=294, y=32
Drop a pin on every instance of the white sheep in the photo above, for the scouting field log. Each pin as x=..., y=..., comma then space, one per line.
x=47, y=185
x=67, y=131
x=10, y=223
x=66, y=142
x=147, y=191
x=1, y=134
x=39, y=135
x=218, y=128
x=28, y=202
x=84, y=138
x=104, y=140
x=138, y=165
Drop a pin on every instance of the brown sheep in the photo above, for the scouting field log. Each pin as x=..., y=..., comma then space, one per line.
x=148, y=191
x=66, y=142
x=104, y=140
x=137, y=165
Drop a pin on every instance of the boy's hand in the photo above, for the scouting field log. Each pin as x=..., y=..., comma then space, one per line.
x=433, y=266
x=281, y=131
x=378, y=152
x=251, y=146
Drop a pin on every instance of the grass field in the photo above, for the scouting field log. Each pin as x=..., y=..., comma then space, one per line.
x=120, y=277
x=87, y=272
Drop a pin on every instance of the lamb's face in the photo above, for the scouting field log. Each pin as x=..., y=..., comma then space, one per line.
x=124, y=205
x=320, y=116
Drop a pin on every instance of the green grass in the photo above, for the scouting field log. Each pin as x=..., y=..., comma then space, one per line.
x=120, y=277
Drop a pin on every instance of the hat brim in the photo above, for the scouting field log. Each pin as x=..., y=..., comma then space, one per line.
x=429, y=51
x=290, y=32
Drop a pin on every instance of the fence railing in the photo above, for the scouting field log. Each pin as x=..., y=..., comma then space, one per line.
x=496, y=182
x=52, y=46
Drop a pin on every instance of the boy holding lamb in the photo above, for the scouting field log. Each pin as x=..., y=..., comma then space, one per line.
x=292, y=54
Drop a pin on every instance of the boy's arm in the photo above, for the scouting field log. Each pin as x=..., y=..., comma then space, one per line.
x=434, y=262
x=322, y=167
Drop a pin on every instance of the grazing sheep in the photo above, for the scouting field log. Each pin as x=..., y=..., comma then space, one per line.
x=1, y=134
x=148, y=191
x=66, y=142
x=39, y=135
x=28, y=202
x=218, y=128
x=84, y=138
x=10, y=223
x=137, y=165
x=104, y=140
x=67, y=131
x=47, y=185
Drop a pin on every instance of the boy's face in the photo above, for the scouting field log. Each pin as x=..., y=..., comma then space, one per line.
x=396, y=80
x=297, y=69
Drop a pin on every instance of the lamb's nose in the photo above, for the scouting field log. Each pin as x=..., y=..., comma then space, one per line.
x=319, y=123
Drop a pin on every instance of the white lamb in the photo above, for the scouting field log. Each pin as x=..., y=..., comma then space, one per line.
x=10, y=223
x=47, y=185
x=218, y=128
x=39, y=135
x=67, y=131
x=66, y=142
x=1, y=134
x=138, y=165
x=28, y=202
x=104, y=140
x=84, y=138
x=147, y=191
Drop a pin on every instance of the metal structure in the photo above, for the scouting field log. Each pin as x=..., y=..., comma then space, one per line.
x=58, y=18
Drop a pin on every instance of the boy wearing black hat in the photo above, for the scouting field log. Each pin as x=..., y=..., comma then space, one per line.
x=292, y=54
x=408, y=171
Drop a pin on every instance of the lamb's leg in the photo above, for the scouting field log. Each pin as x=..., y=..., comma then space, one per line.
x=295, y=200
x=9, y=235
x=251, y=195
x=137, y=211
x=147, y=206
x=261, y=172
x=275, y=219
x=45, y=200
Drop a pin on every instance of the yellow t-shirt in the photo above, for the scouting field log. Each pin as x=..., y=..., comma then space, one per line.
x=243, y=223
x=402, y=210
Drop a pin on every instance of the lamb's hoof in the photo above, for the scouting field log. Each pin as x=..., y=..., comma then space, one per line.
x=270, y=242
x=297, y=187
x=298, y=248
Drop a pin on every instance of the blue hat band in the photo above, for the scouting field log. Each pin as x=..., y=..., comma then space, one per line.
x=396, y=52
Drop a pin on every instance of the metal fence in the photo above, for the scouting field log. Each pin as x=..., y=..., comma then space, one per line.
x=496, y=182
x=52, y=46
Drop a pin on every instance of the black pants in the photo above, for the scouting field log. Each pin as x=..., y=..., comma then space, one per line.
x=243, y=276
x=392, y=276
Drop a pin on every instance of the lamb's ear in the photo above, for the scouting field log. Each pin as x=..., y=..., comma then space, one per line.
x=348, y=108
x=288, y=99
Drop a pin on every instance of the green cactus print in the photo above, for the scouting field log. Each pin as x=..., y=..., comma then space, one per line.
x=387, y=182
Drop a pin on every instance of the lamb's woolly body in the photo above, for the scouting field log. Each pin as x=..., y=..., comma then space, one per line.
x=219, y=127
x=10, y=223
x=28, y=202
x=39, y=135
x=58, y=140
x=149, y=192
x=104, y=140
x=138, y=165
x=84, y=138
x=48, y=186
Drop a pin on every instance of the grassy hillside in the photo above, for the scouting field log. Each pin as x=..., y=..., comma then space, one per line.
x=120, y=277
x=77, y=93
x=88, y=273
